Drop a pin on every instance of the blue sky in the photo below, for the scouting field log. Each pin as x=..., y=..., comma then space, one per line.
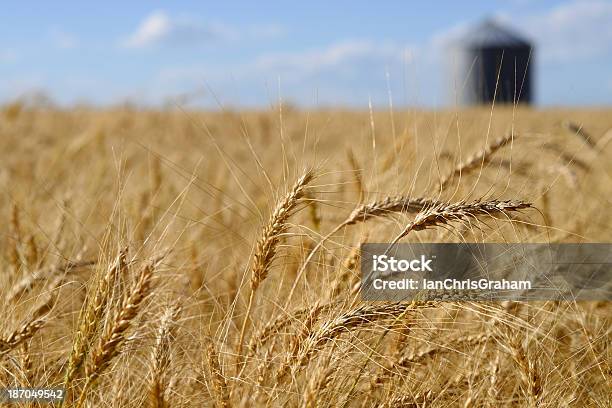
x=311, y=53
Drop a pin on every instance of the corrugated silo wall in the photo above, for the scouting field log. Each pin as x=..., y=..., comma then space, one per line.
x=476, y=74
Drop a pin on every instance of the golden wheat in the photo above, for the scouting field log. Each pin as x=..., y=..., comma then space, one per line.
x=79, y=310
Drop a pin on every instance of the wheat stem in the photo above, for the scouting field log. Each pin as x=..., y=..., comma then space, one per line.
x=267, y=246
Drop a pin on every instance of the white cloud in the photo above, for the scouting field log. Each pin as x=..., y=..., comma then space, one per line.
x=159, y=28
x=576, y=30
x=346, y=59
x=347, y=72
x=341, y=56
x=573, y=44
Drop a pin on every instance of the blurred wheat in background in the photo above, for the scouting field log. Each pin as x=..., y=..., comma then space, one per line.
x=188, y=259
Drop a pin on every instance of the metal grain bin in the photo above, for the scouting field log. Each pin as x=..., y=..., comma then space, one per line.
x=491, y=62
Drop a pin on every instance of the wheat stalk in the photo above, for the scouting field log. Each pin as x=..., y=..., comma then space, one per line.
x=388, y=206
x=603, y=142
x=579, y=131
x=349, y=265
x=414, y=357
x=419, y=400
x=424, y=397
x=14, y=251
x=357, y=176
x=108, y=346
x=90, y=318
x=276, y=325
x=478, y=160
x=38, y=318
x=266, y=247
x=297, y=340
x=21, y=334
x=444, y=213
x=317, y=384
x=262, y=370
x=26, y=363
x=160, y=357
x=219, y=384
x=26, y=283
x=276, y=226
x=362, y=213
x=355, y=319
x=528, y=371
x=314, y=212
x=492, y=390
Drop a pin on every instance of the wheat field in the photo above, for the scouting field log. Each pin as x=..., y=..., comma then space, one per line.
x=192, y=259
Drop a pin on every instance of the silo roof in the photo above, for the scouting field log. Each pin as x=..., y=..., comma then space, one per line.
x=491, y=33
